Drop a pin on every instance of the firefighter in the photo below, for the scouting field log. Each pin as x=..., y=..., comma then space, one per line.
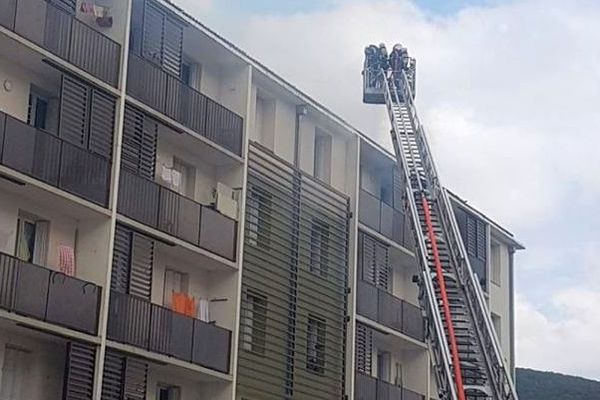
x=371, y=64
x=398, y=63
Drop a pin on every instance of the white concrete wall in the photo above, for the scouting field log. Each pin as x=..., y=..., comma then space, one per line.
x=414, y=364
x=15, y=102
x=402, y=285
x=499, y=300
x=43, y=378
x=89, y=238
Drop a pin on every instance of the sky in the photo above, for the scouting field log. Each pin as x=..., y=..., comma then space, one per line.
x=509, y=92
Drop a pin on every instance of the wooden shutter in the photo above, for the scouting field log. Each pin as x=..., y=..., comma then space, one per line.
x=139, y=142
x=102, y=122
x=79, y=371
x=74, y=108
x=142, y=257
x=364, y=349
x=119, y=280
x=136, y=377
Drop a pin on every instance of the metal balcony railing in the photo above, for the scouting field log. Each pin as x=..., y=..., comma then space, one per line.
x=367, y=387
x=38, y=292
x=383, y=218
x=146, y=201
x=138, y=322
x=59, y=32
x=167, y=94
x=387, y=309
x=44, y=156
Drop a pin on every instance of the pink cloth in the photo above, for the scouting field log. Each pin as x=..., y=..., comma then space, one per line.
x=66, y=260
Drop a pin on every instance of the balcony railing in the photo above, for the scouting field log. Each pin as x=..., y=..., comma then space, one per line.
x=135, y=321
x=166, y=93
x=154, y=205
x=385, y=219
x=62, y=34
x=370, y=388
x=47, y=295
x=54, y=161
x=387, y=309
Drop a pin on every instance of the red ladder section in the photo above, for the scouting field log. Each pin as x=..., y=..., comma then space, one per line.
x=445, y=303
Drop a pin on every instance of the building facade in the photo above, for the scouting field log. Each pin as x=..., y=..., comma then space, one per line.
x=178, y=222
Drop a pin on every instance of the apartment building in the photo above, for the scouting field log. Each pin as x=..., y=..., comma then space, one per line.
x=178, y=222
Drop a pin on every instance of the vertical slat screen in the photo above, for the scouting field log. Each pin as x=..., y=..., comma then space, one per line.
x=154, y=20
x=364, y=349
x=136, y=377
x=139, y=142
x=113, y=376
x=119, y=280
x=172, y=46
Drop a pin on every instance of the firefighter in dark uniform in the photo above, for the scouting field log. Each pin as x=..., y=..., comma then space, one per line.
x=371, y=64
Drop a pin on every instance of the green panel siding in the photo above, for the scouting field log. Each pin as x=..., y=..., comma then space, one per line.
x=295, y=259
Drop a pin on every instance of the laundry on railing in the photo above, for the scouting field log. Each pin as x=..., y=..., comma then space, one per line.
x=66, y=260
x=101, y=13
x=184, y=304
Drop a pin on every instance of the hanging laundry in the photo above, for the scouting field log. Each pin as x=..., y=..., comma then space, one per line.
x=66, y=260
x=204, y=310
x=101, y=13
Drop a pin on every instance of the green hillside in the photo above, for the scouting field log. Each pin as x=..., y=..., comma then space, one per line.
x=539, y=385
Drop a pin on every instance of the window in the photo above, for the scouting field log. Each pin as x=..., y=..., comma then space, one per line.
x=191, y=73
x=254, y=322
x=322, y=156
x=167, y=392
x=496, y=264
x=315, y=345
x=175, y=282
x=383, y=365
x=14, y=373
x=32, y=239
x=258, y=222
x=319, y=248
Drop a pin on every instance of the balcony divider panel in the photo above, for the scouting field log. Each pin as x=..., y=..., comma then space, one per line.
x=31, y=290
x=412, y=321
x=168, y=212
x=79, y=371
x=47, y=159
x=217, y=233
x=84, y=173
x=210, y=341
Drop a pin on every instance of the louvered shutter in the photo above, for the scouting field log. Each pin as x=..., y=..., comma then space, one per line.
x=137, y=24
x=136, y=377
x=79, y=371
x=142, y=257
x=481, y=240
x=368, y=260
x=154, y=20
x=172, y=46
x=364, y=349
x=471, y=236
x=69, y=6
x=102, y=121
x=113, y=375
x=119, y=280
x=139, y=142
x=74, y=107
x=148, y=149
x=382, y=265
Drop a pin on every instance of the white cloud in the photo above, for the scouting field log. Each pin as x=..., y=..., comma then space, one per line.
x=567, y=343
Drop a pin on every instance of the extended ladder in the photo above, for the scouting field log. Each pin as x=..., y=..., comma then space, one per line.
x=466, y=353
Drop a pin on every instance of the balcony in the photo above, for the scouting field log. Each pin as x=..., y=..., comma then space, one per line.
x=59, y=32
x=380, y=306
x=38, y=292
x=54, y=161
x=167, y=94
x=147, y=202
x=369, y=388
x=139, y=323
x=383, y=218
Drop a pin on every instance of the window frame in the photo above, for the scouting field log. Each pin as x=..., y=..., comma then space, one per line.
x=316, y=336
x=254, y=316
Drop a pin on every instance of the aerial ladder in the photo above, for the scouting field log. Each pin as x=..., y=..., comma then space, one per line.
x=466, y=353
